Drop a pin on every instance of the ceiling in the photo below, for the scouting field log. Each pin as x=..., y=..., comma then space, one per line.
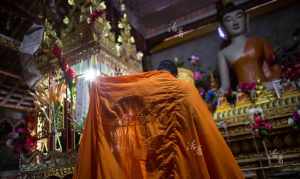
x=16, y=18
x=153, y=21
x=153, y=17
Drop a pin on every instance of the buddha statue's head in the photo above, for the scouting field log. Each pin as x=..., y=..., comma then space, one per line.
x=233, y=19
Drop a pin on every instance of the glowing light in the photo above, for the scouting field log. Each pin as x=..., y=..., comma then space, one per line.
x=90, y=75
x=221, y=33
x=71, y=2
x=102, y=5
x=139, y=55
x=123, y=8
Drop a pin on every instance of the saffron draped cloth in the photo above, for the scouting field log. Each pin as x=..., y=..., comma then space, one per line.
x=151, y=126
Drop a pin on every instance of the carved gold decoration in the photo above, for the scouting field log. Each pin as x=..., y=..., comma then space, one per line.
x=283, y=144
x=41, y=166
x=97, y=39
x=223, y=104
x=272, y=107
x=242, y=99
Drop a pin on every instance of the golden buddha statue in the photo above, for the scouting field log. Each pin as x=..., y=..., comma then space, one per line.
x=250, y=58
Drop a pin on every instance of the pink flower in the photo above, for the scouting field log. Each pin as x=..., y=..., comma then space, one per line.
x=30, y=143
x=255, y=126
x=21, y=130
x=247, y=86
x=194, y=60
x=268, y=125
x=197, y=75
x=95, y=14
x=57, y=52
x=71, y=73
x=258, y=119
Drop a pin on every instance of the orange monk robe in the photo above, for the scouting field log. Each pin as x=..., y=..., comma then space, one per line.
x=151, y=126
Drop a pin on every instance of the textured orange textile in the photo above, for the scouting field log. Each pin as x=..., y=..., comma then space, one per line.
x=151, y=126
x=256, y=62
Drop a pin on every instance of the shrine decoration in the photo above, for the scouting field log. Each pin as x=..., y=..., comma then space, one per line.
x=22, y=140
x=260, y=128
x=294, y=120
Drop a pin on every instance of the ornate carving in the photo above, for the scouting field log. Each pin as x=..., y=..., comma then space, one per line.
x=40, y=165
x=283, y=143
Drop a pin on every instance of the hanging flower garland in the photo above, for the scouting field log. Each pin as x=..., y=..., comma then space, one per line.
x=69, y=72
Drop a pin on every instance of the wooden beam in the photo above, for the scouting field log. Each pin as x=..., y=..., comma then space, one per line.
x=4, y=73
x=258, y=10
x=8, y=42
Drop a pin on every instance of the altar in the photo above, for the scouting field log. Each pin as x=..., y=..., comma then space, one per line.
x=282, y=144
x=180, y=89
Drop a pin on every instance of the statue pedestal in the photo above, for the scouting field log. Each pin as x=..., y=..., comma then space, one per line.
x=283, y=138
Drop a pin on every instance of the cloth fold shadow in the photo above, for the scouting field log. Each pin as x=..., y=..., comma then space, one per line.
x=151, y=126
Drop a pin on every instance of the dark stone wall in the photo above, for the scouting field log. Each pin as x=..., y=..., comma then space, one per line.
x=276, y=27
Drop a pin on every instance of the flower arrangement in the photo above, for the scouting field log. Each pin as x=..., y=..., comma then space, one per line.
x=261, y=129
x=201, y=76
x=21, y=139
x=69, y=72
x=294, y=121
x=260, y=126
x=247, y=87
x=194, y=60
x=94, y=15
x=205, y=82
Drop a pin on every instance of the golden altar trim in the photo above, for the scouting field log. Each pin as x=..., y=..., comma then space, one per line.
x=283, y=139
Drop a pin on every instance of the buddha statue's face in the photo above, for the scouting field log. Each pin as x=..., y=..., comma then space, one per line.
x=234, y=22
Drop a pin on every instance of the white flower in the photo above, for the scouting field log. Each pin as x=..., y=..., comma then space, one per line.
x=9, y=143
x=291, y=121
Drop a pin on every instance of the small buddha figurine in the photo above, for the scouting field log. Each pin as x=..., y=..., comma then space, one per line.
x=242, y=98
x=222, y=102
x=185, y=75
x=250, y=58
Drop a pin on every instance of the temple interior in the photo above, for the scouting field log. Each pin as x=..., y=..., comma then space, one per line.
x=160, y=89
